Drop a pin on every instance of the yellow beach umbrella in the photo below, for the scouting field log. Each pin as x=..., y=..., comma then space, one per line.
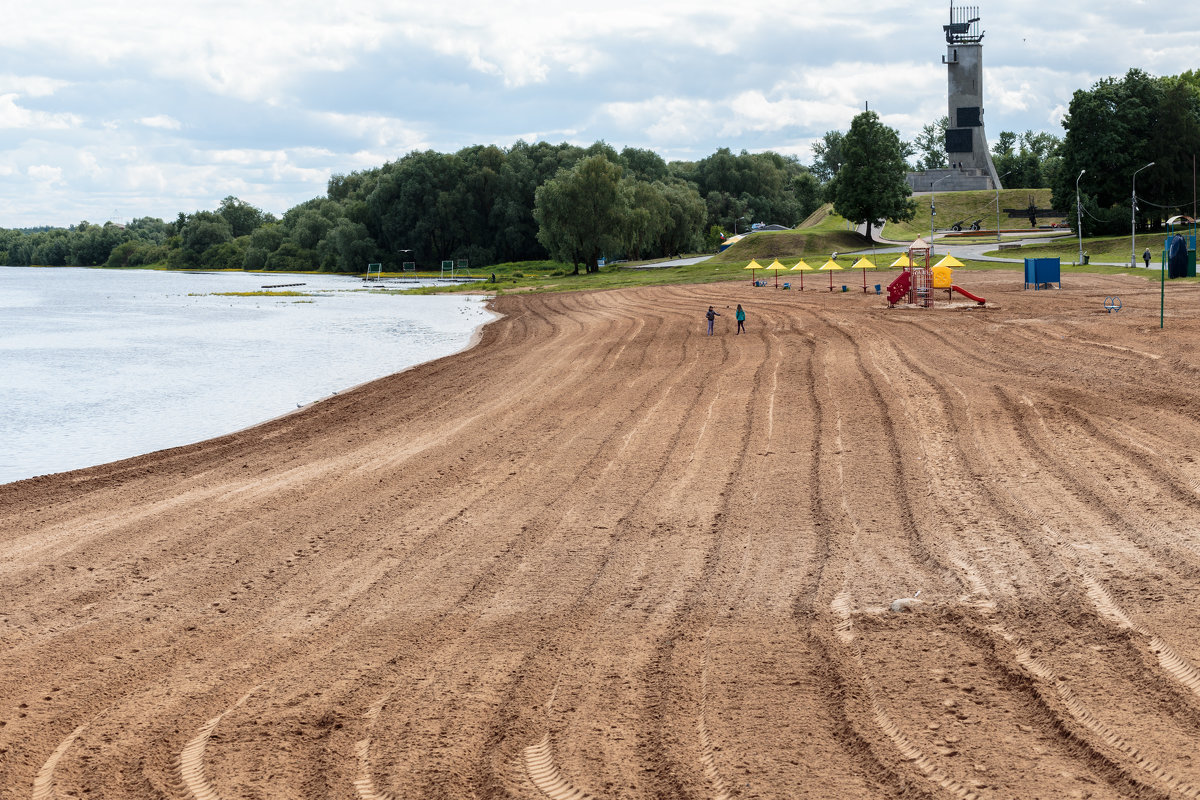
x=829, y=266
x=864, y=264
x=803, y=267
x=753, y=265
x=949, y=261
x=902, y=262
x=776, y=267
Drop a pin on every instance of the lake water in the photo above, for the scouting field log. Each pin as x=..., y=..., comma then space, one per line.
x=98, y=365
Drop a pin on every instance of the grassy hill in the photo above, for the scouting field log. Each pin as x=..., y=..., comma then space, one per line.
x=795, y=244
x=966, y=207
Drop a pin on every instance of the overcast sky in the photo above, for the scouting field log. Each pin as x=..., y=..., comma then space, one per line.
x=118, y=109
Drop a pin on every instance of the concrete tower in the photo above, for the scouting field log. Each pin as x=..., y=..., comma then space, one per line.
x=966, y=144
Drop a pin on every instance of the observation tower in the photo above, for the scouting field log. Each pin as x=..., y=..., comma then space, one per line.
x=970, y=162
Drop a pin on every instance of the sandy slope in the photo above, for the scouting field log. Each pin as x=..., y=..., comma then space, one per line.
x=604, y=555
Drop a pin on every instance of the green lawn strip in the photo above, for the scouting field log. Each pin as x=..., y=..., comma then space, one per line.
x=260, y=293
x=1100, y=248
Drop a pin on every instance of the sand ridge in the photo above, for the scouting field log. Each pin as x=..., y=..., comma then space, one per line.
x=601, y=554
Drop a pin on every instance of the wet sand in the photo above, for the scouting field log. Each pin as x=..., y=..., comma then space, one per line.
x=604, y=555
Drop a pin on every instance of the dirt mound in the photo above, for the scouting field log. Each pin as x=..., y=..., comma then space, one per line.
x=605, y=555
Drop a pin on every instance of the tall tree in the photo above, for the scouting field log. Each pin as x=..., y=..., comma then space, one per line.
x=581, y=211
x=871, y=183
x=1115, y=129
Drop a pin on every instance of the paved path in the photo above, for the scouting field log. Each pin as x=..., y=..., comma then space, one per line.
x=976, y=251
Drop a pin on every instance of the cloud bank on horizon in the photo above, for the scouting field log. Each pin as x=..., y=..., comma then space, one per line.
x=127, y=109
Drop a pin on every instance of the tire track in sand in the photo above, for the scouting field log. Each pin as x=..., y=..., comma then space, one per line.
x=192, y=772
x=840, y=607
x=1043, y=676
x=1176, y=667
x=43, y=783
x=364, y=784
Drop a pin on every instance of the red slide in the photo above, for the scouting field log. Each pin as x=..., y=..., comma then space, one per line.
x=968, y=295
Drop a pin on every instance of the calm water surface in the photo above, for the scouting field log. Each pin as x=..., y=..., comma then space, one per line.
x=97, y=365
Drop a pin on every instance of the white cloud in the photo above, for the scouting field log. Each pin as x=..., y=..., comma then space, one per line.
x=375, y=130
x=30, y=85
x=13, y=115
x=162, y=122
x=44, y=173
x=158, y=108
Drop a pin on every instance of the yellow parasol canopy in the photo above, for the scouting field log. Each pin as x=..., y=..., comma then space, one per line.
x=949, y=261
x=801, y=265
x=776, y=267
x=829, y=265
x=864, y=263
x=753, y=265
x=902, y=261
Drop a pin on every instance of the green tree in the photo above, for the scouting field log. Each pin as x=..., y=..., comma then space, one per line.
x=1030, y=161
x=930, y=145
x=580, y=212
x=93, y=244
x=350, y=247
x=827, y=156
x=242, y=217
x=647, y=215
x=645, y=165
x=1106, y=131
x=871, y=183
x=686, y=215
x=201, y=231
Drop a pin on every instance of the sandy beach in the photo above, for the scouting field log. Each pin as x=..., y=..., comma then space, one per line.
x=854, y=553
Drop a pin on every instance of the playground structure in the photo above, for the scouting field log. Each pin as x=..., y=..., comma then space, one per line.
x=919, y=280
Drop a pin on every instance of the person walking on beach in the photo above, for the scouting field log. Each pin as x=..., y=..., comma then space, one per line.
x=710, y=315
x=741, y=319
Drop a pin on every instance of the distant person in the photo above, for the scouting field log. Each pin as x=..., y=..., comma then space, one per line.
x=710, y=315
x=1146, y=257
x=740, y=315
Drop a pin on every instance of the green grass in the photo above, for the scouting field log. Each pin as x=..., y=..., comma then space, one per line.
x=1099, y=248
x=824, y=220
x=966, y=207
x=260, y=293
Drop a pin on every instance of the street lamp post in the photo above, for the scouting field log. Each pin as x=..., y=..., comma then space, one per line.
x=933, y=207
x=1133, y=219
x=735, y=222
x=1005, y=175
x=1079, y=215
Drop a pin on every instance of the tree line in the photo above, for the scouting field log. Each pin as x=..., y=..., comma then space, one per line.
x=484, y=203
x=1119, y=126
x=489, y=204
